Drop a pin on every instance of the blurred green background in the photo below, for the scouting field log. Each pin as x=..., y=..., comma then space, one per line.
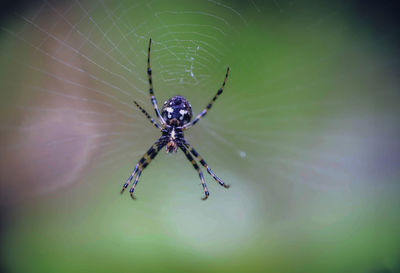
x=306, y=133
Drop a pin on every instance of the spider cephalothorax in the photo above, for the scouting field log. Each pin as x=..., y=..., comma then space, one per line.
x=175, y=117
x=174, y=137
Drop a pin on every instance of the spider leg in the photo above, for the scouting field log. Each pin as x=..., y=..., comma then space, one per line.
x=205, y=165
x=130, y=178
x=151, y=91
x=190, y=158
x=148, y=116
x=204, y=112
x=134, y=183
x=143, y=162
x=147, y=161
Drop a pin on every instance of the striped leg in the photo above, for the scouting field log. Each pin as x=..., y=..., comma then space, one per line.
x=205, y=165
x=190, y=158
x=204, y=112
x=149, y=156
x=130, y=178
x=134, y=183
x=151, y=91
x=143, y=162
x=148, y=116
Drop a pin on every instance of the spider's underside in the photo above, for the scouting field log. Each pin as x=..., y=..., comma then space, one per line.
x=174, y=118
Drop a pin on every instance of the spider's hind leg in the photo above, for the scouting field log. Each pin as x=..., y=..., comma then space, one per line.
x=148, y=116
x=210, y=104
x=151, y=90
x=190, y=158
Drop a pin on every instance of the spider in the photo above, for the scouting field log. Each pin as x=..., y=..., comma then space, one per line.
x=174, y=117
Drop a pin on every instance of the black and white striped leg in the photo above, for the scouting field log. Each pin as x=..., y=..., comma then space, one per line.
x=205, y=165
x=151, y=91
x=148, y=116
x=134, y=183
x=130, y=178
x=204, y=112
x=143, y=162
x=151, y=154
x=196, y=167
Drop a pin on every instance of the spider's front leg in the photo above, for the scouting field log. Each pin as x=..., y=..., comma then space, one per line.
x=196, y=167
x=205, y=165
x=142, y=164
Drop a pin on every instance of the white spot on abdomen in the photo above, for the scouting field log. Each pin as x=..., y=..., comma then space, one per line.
x=182, y=112
x=169, y=110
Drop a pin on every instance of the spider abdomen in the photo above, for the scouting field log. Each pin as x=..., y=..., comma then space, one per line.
x=177, y=111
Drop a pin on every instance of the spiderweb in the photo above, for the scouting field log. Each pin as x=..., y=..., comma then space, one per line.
x=299, y=119
x=84, y=67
